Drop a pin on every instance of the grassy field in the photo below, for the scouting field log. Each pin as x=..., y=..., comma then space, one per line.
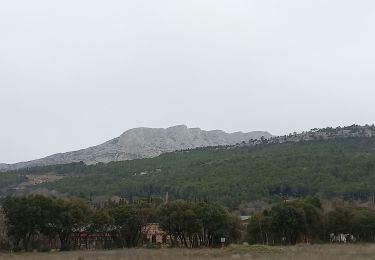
x=321, y=252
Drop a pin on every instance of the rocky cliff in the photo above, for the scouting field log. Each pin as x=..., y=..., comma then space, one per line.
x=143, y=143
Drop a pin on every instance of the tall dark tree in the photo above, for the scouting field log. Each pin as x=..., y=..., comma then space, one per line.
x=197, y=224
x=74, y=217
x=128, y=222
x=287, y=223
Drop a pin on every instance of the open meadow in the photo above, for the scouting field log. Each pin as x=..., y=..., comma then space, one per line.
x=321, y=252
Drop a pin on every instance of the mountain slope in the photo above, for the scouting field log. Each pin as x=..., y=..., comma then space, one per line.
x=340, y=168
x=143, y=143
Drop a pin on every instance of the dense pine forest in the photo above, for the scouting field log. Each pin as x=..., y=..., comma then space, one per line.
x=342, y=168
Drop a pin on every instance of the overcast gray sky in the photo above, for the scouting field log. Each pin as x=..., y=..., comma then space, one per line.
x=75, y=73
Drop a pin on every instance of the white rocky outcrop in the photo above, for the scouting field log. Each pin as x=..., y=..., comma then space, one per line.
x=143, y=143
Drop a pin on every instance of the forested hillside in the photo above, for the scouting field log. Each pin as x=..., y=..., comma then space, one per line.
x=333, y=168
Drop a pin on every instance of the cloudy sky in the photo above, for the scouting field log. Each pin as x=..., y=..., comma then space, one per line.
x=75, y=73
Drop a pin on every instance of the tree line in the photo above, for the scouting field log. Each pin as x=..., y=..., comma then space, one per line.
x=37, y=222
x=187, y=224
x=304, y=220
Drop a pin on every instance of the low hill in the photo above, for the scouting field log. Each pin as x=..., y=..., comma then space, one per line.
x=343, y=168
x=143, y=143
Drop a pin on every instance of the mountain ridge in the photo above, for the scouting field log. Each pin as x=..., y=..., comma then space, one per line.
x=143, y=142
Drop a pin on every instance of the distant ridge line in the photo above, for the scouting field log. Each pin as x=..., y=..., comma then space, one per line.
x=143, y=142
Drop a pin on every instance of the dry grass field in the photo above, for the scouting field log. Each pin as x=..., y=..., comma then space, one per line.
x=319, y=252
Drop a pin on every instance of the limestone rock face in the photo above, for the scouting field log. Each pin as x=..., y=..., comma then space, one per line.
x=144, y=143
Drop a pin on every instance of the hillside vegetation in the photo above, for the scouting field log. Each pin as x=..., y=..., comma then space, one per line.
x=231, y=174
